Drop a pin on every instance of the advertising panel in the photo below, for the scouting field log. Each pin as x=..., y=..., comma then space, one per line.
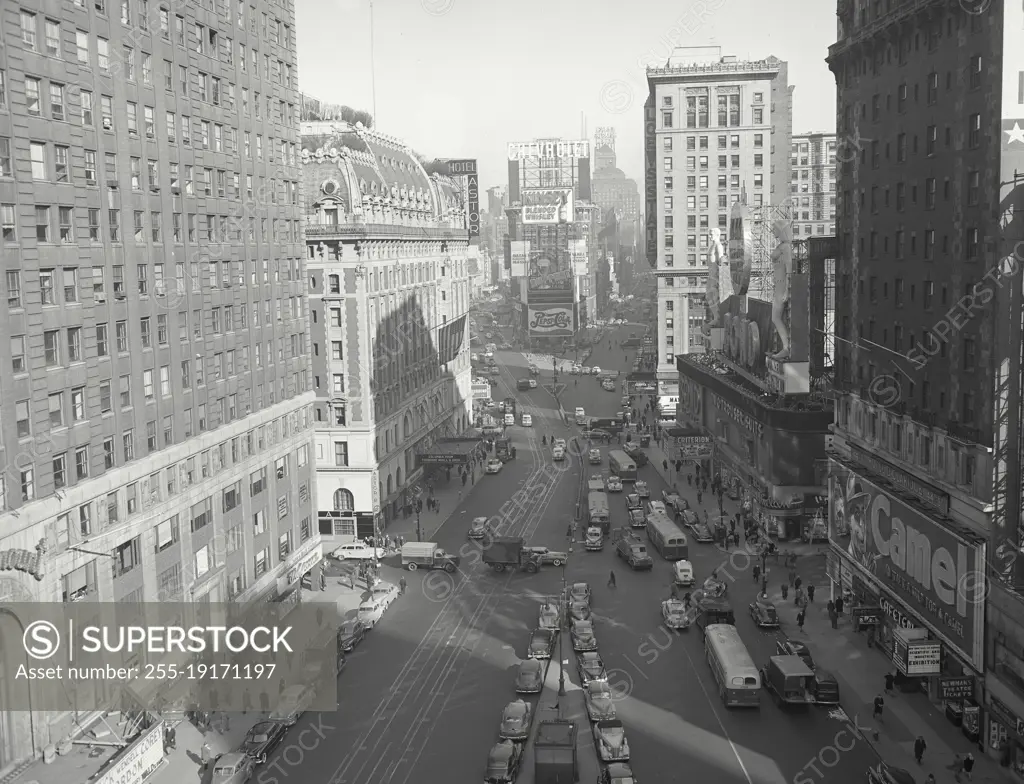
x=546, y=273
x=551, y=321
x=547, y=205
x=578, y=256
x=933, y=571
x=473, y=202
x=741, y=247
x=553, y=148
x=460, y=168
x=520, y=254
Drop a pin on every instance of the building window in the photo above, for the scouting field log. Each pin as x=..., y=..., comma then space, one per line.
x=341, y=453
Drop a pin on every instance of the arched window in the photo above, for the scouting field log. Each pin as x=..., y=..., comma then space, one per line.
x=398, y=476
x=406, y=426
x=390, y=484
x=344, y=501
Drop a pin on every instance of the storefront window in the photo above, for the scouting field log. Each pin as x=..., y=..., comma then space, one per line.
x=1009, y=667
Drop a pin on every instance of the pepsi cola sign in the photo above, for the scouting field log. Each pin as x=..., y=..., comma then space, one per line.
x=551, y=321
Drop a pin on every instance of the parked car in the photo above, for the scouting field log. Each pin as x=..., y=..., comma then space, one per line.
x=262, y=738
x=590, y=667
x=550, y=618
x=640, y=487
x=541, y=643
x=515, y=721
x=639, y=456
x=786, y=647
x=763, y=613
x=655, y=507
x=580, y=592
x=530, y=678
x=233, y=768
x=494, y=465
x=633, y=501
x=357, y=551
x=503, y=761
x=579, y=611
x=583, y=638
x=616, y=773
x=674, y=501
x=614, y=484
x=701, y=533
x=350, y=634
x=292, y=703
x=548, y=556
x=599, y=700
x=610, y=739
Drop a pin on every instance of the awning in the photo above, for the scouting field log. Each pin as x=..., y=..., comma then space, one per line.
x=450, y=451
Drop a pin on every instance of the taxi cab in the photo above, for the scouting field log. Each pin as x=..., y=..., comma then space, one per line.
x=682, y=573
x=493, y=466
x=527, y=420
x=233, y=768
x=594, y=457
x=510, y=420
x=478, y=528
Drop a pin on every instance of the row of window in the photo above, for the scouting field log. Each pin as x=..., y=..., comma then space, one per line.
x=724, y=161
x=725, y=141
x=698, y=114
x=163, y=485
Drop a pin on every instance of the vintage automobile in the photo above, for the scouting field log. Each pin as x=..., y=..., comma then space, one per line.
x=633, y=501
x=515, y=721
x=558, y=453
x=590, y=667
x=493, y=466
x=549, y=616
x=787, y=647
x=656, y=507
x=350, y=634
x=232, y=768
x=594, y=539
x=583, y=638
x=674, y=502
x=478, y=528
x=762, y=612
x=357, y=551
x=530, y=678
x=599, y=700
x=262, y=738
x=639, y=456
x=614, y=484
x=637, y=518
x=503, y=762
x=617, y=773
x=675, y=615
x=608, y=385
x=641, y=488
x=560, y=442
x=594, y=457
x=788, y=680
x=713, y=588
x=610, y=739
x=541, y=643
x=598, y=434
x=292, y=703
x=682, y=573
x=580, y=592
x=884, y=773
x=701, y=533
x=548, y=556
x=579, y=611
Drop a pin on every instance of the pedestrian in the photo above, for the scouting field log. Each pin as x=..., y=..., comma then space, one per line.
x=810, y=593
x=611, y=580
x=205, y=756
x=323, y=579
x=225, y=721
x=830, y=606
x=401, y=586
x=919, y=747
x=664, y=465
x=689, y=479
x=785, y=591
x=675, y=591
x=757, y=572
x=833, y=616
x=888, y=682
x=968, y=766
x=800, y=618
x=798, y=582
x=265, y=700
x=879, y=704
x=698, y=497
x=246, y=701
x=401, y=541
x=839, y=606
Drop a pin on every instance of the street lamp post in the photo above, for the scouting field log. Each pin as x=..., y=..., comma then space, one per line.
x=419, y=529
x=561, y=633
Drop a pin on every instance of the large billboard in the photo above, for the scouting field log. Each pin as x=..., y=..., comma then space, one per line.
x=554, y=148
x=741, y=247
x=548, y=205
x=578, y=256
x=934, y=571
x=551, y=321
x=549, y=271
x=520, y=255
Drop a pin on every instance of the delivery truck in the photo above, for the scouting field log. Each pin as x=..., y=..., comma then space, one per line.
x=427, y=555
x=509, y=552
x=555, y=752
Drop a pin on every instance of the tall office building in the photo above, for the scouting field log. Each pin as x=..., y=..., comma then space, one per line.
x=717, y=129
x=926, y=489
x=813, y=187
x=389, y=269
x=154, y=393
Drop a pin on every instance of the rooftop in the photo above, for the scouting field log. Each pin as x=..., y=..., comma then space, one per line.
x=728, y=375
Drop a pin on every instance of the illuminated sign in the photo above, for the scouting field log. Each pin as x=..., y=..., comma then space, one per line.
x=461, y=168
x=518, y=151
x=547, y=205
x=739, y=416
x=551, y=321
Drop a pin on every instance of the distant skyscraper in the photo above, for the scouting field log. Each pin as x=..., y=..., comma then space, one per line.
x=813, y=187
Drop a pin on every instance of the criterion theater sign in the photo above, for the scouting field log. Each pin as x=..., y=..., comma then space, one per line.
x=518, y=151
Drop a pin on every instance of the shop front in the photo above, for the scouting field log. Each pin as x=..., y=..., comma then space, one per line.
x=909, y=581
x=1004, y=734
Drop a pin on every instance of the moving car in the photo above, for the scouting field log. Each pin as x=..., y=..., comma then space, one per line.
x=530, y=678
x=548, y=556
x=533, y=383
x=549, y=618
x=558, y=453
x=597, y=434
x=357, y=551
x=232, y=768
x=701, y=533
x=614, y=484
x=526, y=420
x=478, y=528
x=595, y=371
x=590, y=667
x=350, y=634
x=674, y=613
x=583, y=638
x=262, y=738
x=493, y=466
x=787, y=647
x=637, y=518
x=610, y=739
x=633, y=501
x=599, y=700
x=594, y=457
x=595, y=539
x=675, y=502
x=515, y=721
x=541, y=643
x=682, y=573
x=510, y=420
x=580, y=592
x=523, y=384
x=763, y=613
x=625, y=401
x=560, y=442
x=639, y=457
x=503, y=762
x=293, y=702
x=617, y=773
x=656, y=507
x=579, y=611
x=608, y=385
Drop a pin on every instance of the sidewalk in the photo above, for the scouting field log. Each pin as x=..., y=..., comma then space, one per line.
x=861, y=674
x=572, y=708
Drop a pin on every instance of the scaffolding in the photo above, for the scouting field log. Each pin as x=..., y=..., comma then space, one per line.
x=762, y=272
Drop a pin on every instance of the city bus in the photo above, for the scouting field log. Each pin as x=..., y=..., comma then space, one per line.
x=739, y=682
x=622, y=465
x=666, y=538
x=597, y=510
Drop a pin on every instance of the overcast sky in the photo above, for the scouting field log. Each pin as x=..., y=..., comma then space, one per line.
x=462, y=78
